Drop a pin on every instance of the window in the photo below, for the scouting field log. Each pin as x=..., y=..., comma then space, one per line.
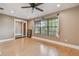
x=44, y=27
x=37, y=27
x=49, y=27
x=53, y=25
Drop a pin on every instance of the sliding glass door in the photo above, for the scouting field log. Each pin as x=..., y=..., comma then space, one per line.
x=48, y=27
x=43, y=27
x=37, y=29
x=53, y=25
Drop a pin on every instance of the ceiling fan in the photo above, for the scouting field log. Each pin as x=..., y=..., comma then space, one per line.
x=34, y=6
x=1, y=8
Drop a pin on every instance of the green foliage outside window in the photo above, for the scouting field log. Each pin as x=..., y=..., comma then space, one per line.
x=48, y=27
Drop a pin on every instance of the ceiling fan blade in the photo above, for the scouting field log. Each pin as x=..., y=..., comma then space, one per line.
x=1, y=8
x=37, y=4
x=39, y=9
x=30, y=3
x=26, y=7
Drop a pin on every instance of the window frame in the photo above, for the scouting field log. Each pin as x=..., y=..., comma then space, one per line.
x=48, y=27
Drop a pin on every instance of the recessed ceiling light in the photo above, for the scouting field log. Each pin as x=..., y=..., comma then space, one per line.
x=58, y=5
x=12, y=12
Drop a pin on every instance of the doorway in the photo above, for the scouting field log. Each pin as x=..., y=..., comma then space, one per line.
x=19, y=29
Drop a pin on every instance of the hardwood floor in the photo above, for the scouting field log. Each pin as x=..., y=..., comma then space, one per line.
x=30, y=47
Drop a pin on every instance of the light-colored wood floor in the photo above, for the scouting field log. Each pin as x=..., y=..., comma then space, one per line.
x=30, y=47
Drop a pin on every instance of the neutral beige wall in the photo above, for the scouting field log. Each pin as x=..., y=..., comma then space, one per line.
x=30, y=24
x=6, y=27
x=69, y=25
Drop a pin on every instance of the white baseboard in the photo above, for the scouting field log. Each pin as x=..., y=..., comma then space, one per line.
x=18, y=34
x=4, y=40
x=56, y=42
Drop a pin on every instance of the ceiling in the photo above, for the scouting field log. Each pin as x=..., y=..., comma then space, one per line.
x=14, y=9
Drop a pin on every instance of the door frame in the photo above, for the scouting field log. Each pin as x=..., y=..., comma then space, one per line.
x=19, y=20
